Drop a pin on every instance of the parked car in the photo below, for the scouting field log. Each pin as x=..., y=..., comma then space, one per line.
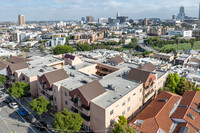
x=13, y=105
x=30, y=118
x=41, y=125
x=1, y=94
x=22, y=112
x=8, y=100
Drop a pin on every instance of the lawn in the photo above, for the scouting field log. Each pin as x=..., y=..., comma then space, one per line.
x=182, y=46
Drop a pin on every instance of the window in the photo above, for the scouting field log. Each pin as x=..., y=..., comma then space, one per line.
x=55, y=90
x=123, y=113
x=66, y=94
x=134, y=94
x=111, y=112
x=128, y=99
x=140, y=90
x=54, y=98
x=66, y=103
x=128, y=108
x=123, y=103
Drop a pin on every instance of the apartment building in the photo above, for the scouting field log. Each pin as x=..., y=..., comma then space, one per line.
x=72, y=59
x=98, y=101
x=92, y=37
x=170, y=113
x=28, y=70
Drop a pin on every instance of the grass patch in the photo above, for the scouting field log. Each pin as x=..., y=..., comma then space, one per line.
x=182, y=46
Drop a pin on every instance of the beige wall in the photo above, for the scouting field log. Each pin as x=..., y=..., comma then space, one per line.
x=89, y=70
x=101, y=118
x=76, y=61
x=33, y=86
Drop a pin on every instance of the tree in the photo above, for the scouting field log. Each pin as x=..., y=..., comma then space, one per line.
x=122, y=127
x=171, y=83
x=83, y=47
x=62, y=49
x=40, y=105
x=66, y=121
x=19, y=89
x=2, y=79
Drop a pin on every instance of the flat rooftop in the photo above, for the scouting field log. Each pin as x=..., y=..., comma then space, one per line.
x=75, y=80
x=122, y=87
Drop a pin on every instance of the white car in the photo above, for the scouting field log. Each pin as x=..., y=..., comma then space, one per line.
x=13, y=105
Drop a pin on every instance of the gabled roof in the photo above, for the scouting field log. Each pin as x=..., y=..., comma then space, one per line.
x=92, y=90
x=116, y=60
x=89, y=91
x=192, y=100
x=148, y=67
x=138, y=75
x=18, y=66
x=69, y=56
x=156, y=115
x=4, y=64
x=15, y=59
x=56, y=76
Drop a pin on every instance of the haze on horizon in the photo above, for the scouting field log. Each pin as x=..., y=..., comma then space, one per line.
x=35, y=10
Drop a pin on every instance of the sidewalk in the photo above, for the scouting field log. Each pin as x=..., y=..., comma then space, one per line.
x=47, y=118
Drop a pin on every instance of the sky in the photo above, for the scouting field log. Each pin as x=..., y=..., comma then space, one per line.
x=35, y=10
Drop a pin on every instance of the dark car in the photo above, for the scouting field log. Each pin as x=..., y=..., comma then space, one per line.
x=8, y=100
x=30, y=118
x=1, y=94
x=41, y=125
x=22, y=112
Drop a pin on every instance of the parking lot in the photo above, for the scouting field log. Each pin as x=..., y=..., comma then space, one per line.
x=12, y=122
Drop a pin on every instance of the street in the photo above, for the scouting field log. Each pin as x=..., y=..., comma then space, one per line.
x=12, y=122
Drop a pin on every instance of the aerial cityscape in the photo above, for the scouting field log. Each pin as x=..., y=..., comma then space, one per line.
x=119, y=66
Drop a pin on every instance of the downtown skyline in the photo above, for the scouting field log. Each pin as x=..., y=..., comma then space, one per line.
x=35, y=10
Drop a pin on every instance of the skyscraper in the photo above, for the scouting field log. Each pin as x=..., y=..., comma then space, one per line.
x=199, y=10
x=181, y=14
x=118, y=15
x=89, y=19
x=21, y=19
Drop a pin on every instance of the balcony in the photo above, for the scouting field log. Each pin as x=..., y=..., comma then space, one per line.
x=83, y=109
x=149, y=95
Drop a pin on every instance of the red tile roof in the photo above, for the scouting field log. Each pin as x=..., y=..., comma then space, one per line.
x=156, y=115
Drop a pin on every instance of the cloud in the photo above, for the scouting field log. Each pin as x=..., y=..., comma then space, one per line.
x=75, y=9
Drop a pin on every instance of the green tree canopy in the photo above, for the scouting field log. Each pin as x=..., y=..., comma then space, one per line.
x=40, y=105
x=68, y=122
x=179, y=85
x=83, y=47
x=62, y=49
x=122, y=127
x=19, y=89
x=2, y=79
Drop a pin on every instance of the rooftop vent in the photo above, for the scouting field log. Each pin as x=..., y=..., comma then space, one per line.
x=163, y=100
x=191, y=116
x=128, y=87
x=41, y=70
x=84, y=81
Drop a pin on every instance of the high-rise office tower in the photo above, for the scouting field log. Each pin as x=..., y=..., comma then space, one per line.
x=118, y=15
x=181, y=15
x=89, y=19
x=199, y=10
x=21, y=19
x=173, y=16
